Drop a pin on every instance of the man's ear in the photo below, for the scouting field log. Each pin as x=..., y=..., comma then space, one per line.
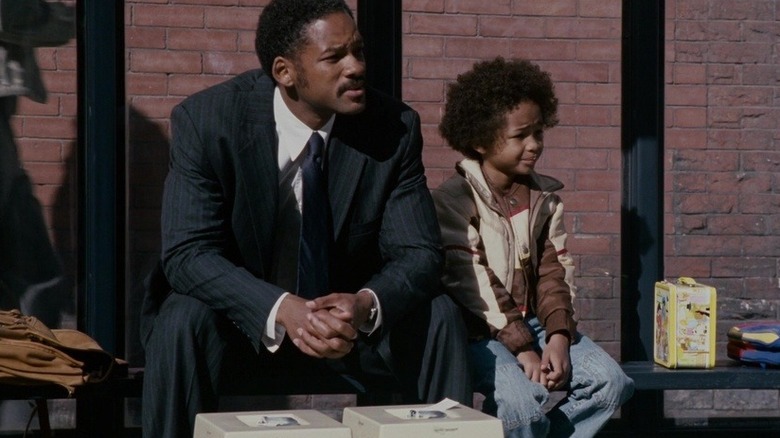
x=283, y=71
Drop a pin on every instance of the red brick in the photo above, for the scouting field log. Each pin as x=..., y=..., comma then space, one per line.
x=764, y=204
x=597, y=224
x=579, y=28
x=707, y=31
x=742, y=52
x=723, y=74
x=686, y=95
x=155, y=107
x=60, y=81
x=696, y=267
x=229, y=63
x=725, y=117
x=599, y=180
x=689, y=117
x=148, y=84
x=698, y=203
x=741, y=182
x=163, y=61
x=49, y=127
x=168, y=16
x=211, y=40
x=583, y=245
x=706, y=161
x=592, y=115
x=497, y=7
x=598, y=94
x=738, y=224
x=512, y=27
x=600, y=8
x=588, y=201
x=232, y=18
x=761, y=161
x=559, y=8
x=492, y=47
x=145, y=37
x=741, y=96
x=599, y=50
x=423, y=5
x=577, y=72
x=741, y=9
x=47, y=194
x=692, y=9
x=208, y=2
x=45, y=173
x=441, y=157
x=433, y=68
x=690, y=182
x=428, y=46
x=423, y=90
x=693, y=245
x=598, y=137
x=461, y=25
x=29, y=107
x=566, y=92
x=185, y=85
x=689, y=74
x=761, y=246
x=595, y=287
x=38, y=150
x=685, y=139
x=431, y=135
x=559, y=137
x=597, y=330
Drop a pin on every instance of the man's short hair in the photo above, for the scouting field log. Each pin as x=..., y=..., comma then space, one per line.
x=281, y=29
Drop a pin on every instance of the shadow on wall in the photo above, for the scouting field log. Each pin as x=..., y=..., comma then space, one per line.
x=148, y=165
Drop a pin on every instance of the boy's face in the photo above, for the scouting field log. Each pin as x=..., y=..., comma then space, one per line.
x=518, y=146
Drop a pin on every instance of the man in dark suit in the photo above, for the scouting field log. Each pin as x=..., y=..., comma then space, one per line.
x=222, y=312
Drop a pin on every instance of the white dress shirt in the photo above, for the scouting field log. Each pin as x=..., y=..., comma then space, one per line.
x=292, y=135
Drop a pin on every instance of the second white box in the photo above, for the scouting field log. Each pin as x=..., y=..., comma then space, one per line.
x=415, y=421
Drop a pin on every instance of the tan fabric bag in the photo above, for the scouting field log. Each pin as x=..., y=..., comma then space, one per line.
x=31, y=353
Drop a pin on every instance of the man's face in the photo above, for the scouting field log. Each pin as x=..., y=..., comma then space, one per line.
x=329, y=71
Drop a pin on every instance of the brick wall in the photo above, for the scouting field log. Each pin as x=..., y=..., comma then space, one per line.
x=722, y=112
x=721, y=131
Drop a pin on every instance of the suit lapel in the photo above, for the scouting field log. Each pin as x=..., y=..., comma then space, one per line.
x=345, y=167
x=258, y=166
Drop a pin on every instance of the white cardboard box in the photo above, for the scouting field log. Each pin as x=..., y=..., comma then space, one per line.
x=416, y=422
x=304, y=423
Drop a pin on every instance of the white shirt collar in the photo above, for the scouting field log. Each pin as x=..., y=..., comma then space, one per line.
x=292, y=132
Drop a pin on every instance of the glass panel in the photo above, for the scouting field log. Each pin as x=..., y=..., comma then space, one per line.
x=38, y=170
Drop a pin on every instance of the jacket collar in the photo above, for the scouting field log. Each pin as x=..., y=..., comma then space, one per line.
x=259, y=160
x=470, y=169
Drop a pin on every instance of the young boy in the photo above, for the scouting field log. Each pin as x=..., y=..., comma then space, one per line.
x=506, y=261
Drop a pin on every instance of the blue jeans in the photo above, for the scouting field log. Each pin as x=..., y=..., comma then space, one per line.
x=598, y=387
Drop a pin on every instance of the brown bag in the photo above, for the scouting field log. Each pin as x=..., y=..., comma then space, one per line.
x=31, y=353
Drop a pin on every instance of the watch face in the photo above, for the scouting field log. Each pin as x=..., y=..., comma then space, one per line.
x=372, y=314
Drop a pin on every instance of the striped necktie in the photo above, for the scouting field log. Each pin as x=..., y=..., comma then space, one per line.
x=315, y=224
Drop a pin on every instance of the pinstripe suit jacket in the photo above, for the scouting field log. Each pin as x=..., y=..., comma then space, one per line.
x=220, y=205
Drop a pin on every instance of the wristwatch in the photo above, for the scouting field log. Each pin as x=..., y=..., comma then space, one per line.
x=372, y=314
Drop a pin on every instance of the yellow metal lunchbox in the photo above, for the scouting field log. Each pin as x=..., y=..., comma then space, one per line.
x=684, y=324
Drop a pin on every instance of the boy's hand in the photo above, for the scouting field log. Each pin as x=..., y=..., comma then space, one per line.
x=531, y=363
x=555, y=363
